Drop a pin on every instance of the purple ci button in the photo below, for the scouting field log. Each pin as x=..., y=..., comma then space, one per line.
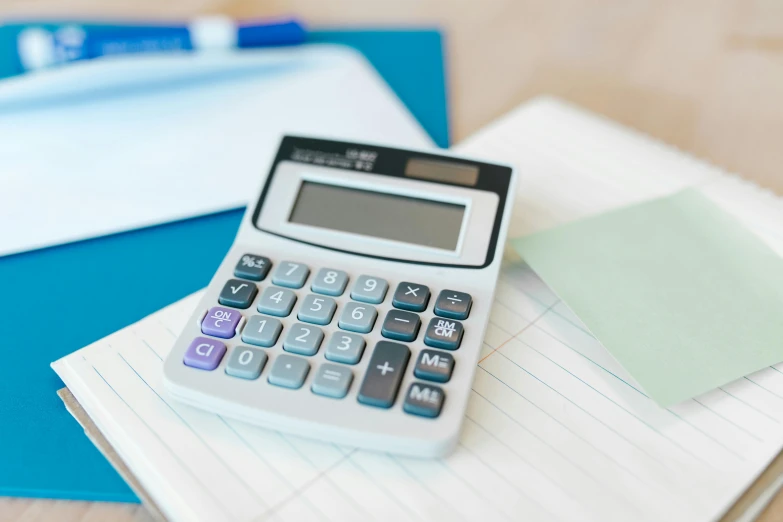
x=204, y=353
x=220, y=322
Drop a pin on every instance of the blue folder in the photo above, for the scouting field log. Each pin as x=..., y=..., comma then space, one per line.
x=57, y=300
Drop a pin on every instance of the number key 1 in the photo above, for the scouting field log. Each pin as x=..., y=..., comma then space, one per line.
x=369, y=289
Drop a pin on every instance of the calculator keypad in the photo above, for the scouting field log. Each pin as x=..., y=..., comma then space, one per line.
x=411, y=296
x=317, y=309
x=387, y=367
x=262, y=331
x=345, y=348
x=332, y=380
x=220, y=322
x=238, y=293
x=368, y=289
x=289, y=371
x=401, y=326
x=329, y=281
x=290, y=274
x=276, y=301
x=384, y=374
x=246, y=362
x=443, y=333
x=253, y=267
x=304, y=339
x=358, y=317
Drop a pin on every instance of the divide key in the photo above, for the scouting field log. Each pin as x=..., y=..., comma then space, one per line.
x=384, y=374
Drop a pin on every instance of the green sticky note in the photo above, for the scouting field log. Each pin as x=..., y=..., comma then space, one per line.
x=678, y=291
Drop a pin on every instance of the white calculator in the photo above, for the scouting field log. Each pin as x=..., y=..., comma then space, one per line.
x=352, y=305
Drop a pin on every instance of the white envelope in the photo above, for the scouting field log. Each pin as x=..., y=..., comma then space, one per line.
x=121, y=143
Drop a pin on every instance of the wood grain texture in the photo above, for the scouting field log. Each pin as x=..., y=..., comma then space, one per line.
x=703, y=75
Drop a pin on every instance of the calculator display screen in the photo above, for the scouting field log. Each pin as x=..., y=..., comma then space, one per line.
x=377, y=214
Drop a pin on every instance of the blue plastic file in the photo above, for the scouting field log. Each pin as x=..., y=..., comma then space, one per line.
x=43, y=451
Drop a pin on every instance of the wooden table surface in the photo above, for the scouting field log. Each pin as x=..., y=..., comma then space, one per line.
x=705, y=76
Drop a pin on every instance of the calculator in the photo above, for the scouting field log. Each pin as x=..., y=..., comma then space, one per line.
x=352, y=305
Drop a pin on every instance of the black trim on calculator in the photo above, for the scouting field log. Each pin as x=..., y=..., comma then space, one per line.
x=384, y=161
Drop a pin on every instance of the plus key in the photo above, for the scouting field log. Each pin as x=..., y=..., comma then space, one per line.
x=384, y=374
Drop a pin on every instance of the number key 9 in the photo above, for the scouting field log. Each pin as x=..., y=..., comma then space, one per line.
x=369, y=289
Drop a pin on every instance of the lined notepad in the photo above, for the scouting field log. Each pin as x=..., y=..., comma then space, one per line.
x=555, y=428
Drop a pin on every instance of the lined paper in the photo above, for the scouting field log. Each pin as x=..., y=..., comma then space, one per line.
x=555, y=429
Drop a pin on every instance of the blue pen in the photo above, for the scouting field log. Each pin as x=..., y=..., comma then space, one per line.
x=39, y=47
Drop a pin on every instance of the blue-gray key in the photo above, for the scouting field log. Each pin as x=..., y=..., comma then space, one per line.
x=443, y=333
x=345, y=347
x=433, y=365
x=276, y=301
x=411, y=296
x=317, y=309
x=246, y=362
x=304, y=339
x=329, y=281
x=262, y=331
x=422, y=399
x=332, y=380
x=358, y=317
x=401, y=326
x=290, y=274
x=237, y=293
x=453, y=304
x=289, y=371
x=252, y=266
x=384, y=374
x=368, y=289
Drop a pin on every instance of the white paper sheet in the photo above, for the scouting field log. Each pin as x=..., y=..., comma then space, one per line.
x=120, y=143
x=555, y=429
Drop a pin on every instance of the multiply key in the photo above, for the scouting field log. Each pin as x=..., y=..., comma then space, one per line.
x=384, y=374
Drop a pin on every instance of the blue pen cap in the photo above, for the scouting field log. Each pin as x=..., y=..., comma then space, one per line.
x=266, y=33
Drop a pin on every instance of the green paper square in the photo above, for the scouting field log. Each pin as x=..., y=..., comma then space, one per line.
x=679, y=292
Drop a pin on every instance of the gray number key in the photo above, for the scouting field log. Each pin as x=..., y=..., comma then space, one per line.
x=246, y=362
x=276, y=301
x=433, y=365
x=369, y=289
x=290, y=274
x=384, y=374
x=443, y=333
x=332, y=381
x=345, y=348
x=303, y=339
x=289, y=371
x=401, y=326
x=329, y=281
x=317, y=310
x=357, y=317
x=425, y=400
x=262, y=331
x=237, y=293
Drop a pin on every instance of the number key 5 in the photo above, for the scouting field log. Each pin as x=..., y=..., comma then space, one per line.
x=317, y=309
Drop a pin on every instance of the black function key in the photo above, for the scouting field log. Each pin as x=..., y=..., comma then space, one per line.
x=401, y=326
x=253, y=267
x=384, y=374
x=454, y=305
x=422, y=399
x=434, y=366
x=443, y=333
x=411, y=296
x=237, y=293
